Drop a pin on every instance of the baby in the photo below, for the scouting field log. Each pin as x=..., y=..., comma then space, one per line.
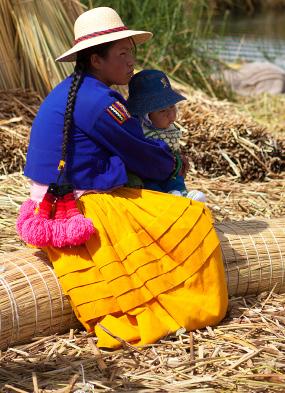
x=153, y=101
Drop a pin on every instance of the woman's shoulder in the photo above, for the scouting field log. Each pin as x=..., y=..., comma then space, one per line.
x=92, y=99
x=94, y=93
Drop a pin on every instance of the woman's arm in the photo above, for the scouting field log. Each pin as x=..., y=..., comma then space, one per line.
x=123, y=136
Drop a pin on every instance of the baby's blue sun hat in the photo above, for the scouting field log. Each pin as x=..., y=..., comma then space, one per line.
x=150, y=91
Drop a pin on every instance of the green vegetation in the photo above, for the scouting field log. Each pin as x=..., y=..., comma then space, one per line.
x=179, y=27
x=248, y=6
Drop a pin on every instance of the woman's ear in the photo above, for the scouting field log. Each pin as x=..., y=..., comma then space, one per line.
x=96, y=61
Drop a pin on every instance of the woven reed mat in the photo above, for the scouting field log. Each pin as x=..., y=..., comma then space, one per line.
x=32, y=303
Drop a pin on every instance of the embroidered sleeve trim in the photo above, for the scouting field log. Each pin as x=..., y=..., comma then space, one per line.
x=118, y=112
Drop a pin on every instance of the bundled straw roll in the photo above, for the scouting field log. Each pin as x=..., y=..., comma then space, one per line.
x=32, y=303
x=31, y=300
x=254, y=255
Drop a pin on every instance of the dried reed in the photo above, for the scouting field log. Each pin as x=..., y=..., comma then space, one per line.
x=9, y=67
x=220, y=140
x=244, y=353
x=17, y=110
x=43, y=31
x=229, y=199
x=73, y=8
x=37, y=25
x=267, y=110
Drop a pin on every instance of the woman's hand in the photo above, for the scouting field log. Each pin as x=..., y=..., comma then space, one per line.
x=185, y=165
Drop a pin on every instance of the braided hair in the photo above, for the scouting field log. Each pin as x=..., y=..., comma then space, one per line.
x=68, y=115
x=82, y=64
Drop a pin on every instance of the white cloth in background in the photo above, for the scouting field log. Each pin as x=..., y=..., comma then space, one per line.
x=255, y=78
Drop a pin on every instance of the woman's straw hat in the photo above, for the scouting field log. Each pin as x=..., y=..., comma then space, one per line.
x=98, y=26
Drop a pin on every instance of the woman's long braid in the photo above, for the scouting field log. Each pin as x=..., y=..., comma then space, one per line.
x=82, y=64
x=68, y=116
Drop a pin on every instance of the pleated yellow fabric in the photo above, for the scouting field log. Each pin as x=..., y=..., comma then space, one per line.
x=154, y=266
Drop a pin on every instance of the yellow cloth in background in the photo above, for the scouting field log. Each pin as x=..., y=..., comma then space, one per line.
x=154, y=266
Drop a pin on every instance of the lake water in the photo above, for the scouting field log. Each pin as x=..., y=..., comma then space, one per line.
x=260, y=38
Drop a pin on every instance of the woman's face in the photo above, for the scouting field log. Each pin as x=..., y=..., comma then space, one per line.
x=117, y=67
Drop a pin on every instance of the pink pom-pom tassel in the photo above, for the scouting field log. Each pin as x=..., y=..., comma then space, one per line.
x=26, y=211
x=58, y=226
x=79, y=229
x=71, y=232
x=37, y=231
x=68, y=227
x=59, y=236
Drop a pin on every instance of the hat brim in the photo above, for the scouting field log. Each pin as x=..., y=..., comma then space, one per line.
x=140, y=107
x=138, y=36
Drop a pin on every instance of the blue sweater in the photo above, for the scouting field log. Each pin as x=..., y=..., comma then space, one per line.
x=100, y=148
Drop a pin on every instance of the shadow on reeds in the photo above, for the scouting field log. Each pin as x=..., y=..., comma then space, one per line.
x=244, y=227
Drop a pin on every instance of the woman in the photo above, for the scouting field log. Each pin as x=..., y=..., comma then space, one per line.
x=154, y=263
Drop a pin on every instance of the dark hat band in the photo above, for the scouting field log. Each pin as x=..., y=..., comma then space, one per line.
x=99, y=33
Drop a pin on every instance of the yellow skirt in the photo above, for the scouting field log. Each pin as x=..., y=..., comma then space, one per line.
x=154, y=266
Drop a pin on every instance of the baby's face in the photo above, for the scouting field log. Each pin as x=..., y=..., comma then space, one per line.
x=163, y=118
